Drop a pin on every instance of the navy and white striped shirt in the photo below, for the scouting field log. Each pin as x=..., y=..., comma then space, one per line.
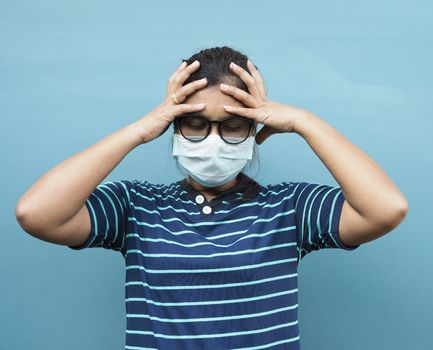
x=213, y=275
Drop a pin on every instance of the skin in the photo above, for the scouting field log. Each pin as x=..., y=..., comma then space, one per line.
x=373, y=204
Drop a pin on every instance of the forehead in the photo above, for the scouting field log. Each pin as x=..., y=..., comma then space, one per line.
x=214, y=100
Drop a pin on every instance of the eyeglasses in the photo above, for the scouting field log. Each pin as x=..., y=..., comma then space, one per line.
x=196, y=127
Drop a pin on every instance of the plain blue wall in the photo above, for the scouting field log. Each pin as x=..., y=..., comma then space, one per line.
x=74, y=72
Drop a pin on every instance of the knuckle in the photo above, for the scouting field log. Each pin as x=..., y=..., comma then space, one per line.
x=251, y=79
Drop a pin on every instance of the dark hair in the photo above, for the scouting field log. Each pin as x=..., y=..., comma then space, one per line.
x=214, y=65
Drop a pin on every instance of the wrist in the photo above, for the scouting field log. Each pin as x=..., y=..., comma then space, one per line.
x=132, y=133
x=302, y=121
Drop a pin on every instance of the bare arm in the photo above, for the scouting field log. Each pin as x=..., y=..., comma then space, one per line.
x=374, y=204
x=53, y=208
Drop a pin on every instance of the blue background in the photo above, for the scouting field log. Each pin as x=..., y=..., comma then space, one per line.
x=74, y=72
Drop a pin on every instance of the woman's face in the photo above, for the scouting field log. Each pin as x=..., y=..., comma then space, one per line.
x=214, y=101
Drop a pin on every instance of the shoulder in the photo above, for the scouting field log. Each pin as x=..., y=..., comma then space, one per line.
x=147, y=188
x=277, y=192
x=280, y=187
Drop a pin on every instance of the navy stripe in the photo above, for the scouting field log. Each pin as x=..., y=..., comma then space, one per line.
x=227, y=280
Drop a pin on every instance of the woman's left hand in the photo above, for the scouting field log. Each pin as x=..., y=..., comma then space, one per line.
x=276, y=117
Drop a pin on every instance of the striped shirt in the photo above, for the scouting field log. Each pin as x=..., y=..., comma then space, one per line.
x=212, y=275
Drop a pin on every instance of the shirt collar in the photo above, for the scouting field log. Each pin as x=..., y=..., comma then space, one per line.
x=192, y=192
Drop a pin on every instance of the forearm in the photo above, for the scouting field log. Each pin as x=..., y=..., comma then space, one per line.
x=61, y=192
x=366, y=186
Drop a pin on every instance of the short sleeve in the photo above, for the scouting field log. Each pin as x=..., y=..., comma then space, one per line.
x=108, y=206
x=317, y=213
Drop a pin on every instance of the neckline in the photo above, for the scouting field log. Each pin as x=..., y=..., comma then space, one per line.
x=193, y=192
x=231, y=195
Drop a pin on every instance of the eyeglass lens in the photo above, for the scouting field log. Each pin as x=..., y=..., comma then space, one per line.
x=233, y=130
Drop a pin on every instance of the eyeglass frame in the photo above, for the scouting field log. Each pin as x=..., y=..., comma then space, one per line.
x=178, y=119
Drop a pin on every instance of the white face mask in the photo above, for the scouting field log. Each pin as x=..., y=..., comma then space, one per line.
x=212, y=162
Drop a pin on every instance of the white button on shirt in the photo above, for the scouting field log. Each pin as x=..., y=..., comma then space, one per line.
x=207, y=209
x=199, y=199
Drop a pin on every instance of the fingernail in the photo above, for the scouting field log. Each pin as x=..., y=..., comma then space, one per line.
x=195, y=62
x=224, y=86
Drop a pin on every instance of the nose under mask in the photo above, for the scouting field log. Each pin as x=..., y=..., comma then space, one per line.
x=212, y=162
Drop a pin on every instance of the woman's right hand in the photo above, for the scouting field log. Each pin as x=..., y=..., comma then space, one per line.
x=157, y=121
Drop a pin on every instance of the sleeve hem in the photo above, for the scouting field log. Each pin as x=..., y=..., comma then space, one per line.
x=335, y=230
x=91, y=236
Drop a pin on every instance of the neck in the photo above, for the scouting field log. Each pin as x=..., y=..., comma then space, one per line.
x=220, y=188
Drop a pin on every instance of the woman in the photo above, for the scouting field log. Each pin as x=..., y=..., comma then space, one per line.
x=211, y=260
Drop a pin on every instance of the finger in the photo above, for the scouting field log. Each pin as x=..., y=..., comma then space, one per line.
x=246, y=78
x=190, y=88
x=186, y=108
x=183, y=74
x=178, y=69
x=263, y=134
x=246, y=112
x=256, y=74
x=239, y=94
